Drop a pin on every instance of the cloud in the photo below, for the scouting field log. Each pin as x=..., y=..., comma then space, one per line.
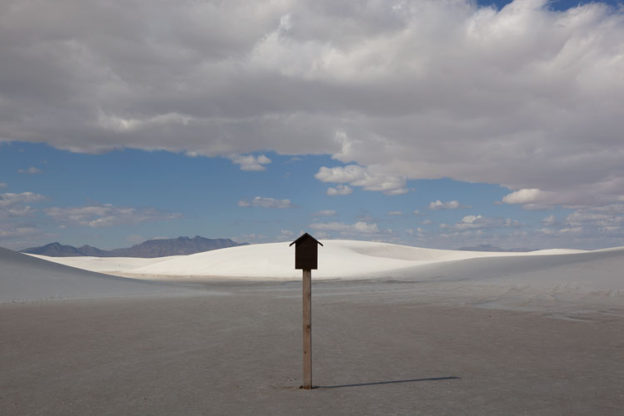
x=30, y=171
x=9, y=231
x=471, y=219
x=360, y=227
x=12, y=199
x=16, y=205
x=549, y=220
x=604, y=220
x=395, y=213
x=256, y=238
x=105, y=215
x=3, y=185
x=582, y=195
x=264, y=202
x=474, y=222
x=251, y=162
x=13, y=210
x=285, y=235
x=586, y=227
x=325, y=213
x=370, y=179
x=526, y=96
x=436, y=205
x=525, y=197
x=17, y=211
x=339, y=190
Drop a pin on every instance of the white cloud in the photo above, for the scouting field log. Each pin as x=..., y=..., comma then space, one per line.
x=285, y=235
x=423, y=90
x=3, y=185
x=252, y=237
x=595, y=226
x=419, y=233
x=30, y=171
x=416, y=212
x=13, y=210
x=325, y=213
x=18, y=211
x=604, y=220
x=549, y=220
x=105, y=215
x=574, y=196
x=339, y=190
x=9, y=231
x=12, y=199
x=251, y=162
x=524, y=196
x=16, y=205
x=436, y=205
x=264, y=202
x=471, y=219
x=363, y=227
x=395, y=213
x=474, y=222
x=360, y=227
x=370, y=179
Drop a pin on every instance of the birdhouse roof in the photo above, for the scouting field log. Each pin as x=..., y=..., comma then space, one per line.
x=305, y=237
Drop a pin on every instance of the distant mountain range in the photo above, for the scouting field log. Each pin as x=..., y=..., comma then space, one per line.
x=489, y=247
x=147, y=249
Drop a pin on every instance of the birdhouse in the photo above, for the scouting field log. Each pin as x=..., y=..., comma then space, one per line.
x=306, y=252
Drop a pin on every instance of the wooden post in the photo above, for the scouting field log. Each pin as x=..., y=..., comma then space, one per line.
x=307, y=329
x=306, y=259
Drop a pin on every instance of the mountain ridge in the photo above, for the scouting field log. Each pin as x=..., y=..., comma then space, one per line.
x=147, y=249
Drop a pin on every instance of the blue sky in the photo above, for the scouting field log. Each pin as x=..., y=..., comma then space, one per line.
x=174, y=194
x=437, y=124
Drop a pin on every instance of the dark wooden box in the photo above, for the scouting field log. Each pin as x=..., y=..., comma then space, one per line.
x=306, y=252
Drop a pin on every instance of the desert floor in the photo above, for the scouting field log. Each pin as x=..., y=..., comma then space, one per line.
x=378, y=348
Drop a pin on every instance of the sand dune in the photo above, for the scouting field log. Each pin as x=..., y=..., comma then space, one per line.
x=599, y=270
x=275, y=261
x=546, y=272
x=395, y=330
x=25, y=278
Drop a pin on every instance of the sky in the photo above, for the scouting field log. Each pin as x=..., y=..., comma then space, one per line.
x=446, y=123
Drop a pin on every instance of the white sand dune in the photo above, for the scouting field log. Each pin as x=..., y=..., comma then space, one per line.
x=406, y=336
x=25, y=278
x=596, y=272
x=546, y=272
x=342, y=259
x=108, y=265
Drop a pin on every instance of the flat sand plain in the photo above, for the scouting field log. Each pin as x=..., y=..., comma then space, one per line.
x=378, y=348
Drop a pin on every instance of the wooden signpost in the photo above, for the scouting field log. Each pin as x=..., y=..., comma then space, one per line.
x=306, y=259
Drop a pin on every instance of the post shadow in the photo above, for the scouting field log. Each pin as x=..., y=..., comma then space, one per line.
x=378, y=383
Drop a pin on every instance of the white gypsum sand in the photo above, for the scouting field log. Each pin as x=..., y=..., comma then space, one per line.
x=109, y=265
x=407, y=339
x=499, y=279
x=496, y=278
x=25, y=278
x=375, y=351
x=275, y=261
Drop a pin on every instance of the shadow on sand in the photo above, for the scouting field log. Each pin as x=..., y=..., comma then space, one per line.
x=377, y=383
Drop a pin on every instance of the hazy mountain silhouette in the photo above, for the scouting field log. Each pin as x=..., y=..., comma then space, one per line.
x=147, y=249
